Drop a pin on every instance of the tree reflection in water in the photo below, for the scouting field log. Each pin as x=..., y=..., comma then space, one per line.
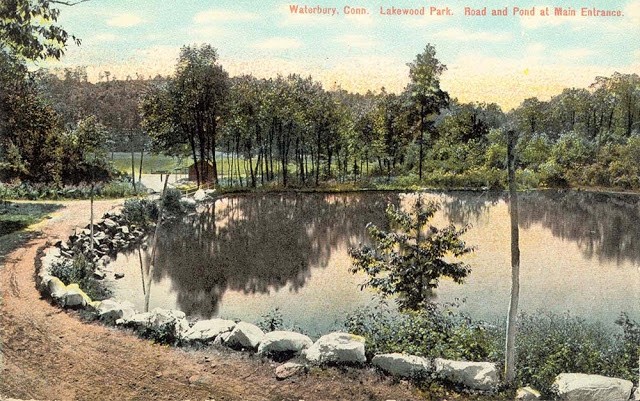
x=259, y=243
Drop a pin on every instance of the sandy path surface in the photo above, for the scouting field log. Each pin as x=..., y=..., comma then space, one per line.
x=49, y=354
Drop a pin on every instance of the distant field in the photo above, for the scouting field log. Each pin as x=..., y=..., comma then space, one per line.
x=150, y=163
x=156, y=163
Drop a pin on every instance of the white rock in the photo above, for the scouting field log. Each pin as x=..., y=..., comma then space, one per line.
x=199, y=195
x=188, y=201
x=138, y=320
x=207, y=330
x=75, y=297
x=337, y=348
x=109, y=223
x=583, y=387
x=222, y=338
x=636, y=395
x=527, y=394
x=283, y=341
x=402, y=365
x=176, y=319
x=473, y=375
x=56, y=288
x=109, y=311
x=245, y=335
x=289, y=369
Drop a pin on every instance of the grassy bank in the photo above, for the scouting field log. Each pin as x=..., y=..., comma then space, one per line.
x=15, y=218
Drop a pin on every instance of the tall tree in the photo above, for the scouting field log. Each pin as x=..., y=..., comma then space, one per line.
x=510, y=346
x=200, y=89
x=426, y=93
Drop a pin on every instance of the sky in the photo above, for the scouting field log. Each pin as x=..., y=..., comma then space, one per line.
x=501, y=59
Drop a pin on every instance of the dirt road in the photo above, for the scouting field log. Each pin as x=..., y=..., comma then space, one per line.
x=49, y=354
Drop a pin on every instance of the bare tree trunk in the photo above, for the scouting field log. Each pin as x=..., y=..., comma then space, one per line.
x=91, y=221
x=133, y=171
x=140, y=165
x=510, y=350
x=152, y=263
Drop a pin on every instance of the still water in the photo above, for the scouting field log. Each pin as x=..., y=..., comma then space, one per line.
x=243, y=256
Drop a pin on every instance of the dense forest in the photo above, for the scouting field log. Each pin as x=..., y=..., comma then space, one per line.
x=288, y=131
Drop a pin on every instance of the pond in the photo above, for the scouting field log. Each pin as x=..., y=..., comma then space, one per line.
x=243, y=256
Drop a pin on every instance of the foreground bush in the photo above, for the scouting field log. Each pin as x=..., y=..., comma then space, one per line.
x=118, y=188
x=79, y=270
x=436, y=331
x=548, y=344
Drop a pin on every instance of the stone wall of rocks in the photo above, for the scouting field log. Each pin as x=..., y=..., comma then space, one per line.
x=333, y=348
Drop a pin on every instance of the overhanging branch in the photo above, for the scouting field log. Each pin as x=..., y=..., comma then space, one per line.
x=67, y=3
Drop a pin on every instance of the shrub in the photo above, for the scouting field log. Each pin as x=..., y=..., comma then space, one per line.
x=80, y=271
x=141, y=212
x=271, y=321
x=171, y=202
x=438, y=330
x=551, y=344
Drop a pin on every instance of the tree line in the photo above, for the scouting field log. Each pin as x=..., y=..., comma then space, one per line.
x=57, y=127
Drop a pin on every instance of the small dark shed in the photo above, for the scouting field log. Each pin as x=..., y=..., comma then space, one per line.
x=205, y=176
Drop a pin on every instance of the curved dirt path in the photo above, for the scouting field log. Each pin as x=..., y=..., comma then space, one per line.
x=47, y=353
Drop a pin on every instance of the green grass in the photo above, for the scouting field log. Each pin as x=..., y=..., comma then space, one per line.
x=15, y=218
x=150, y=163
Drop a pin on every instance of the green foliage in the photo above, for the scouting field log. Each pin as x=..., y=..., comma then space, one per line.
x=171, y=202
x=140, y=211
x=79, y=270
x=117, y=188
x=408, y=261
x=28, y=29
x=434, y=331
x=271, y=321
x=551, y=344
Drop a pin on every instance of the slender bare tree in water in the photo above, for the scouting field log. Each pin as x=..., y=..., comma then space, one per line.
x=510, y=354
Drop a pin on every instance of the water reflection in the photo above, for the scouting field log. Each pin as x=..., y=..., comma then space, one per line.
x=580, y=253
x=605, y=226
x=258, y=244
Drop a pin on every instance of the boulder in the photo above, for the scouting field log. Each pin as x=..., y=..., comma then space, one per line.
x=207, y=330
x=337, y=348
x=527, y=394
x=74, y=297
x=56, y=288
x=222, y=338
x=188, y=202
x=109, y=223
x=158, y=319
x=245, y=335
x=636, y=395
x=161, y=318
x=109, y=311
x=402, y=365
x=584, y=387
x=138, y=320
x=290, y=369
x=473, y=375
x=283, y=342
x=199, y=195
